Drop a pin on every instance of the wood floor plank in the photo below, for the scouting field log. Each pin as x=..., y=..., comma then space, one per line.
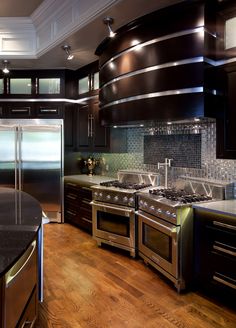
x=86, y=286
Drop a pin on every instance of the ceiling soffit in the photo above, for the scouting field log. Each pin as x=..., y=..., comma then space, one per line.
x=50, y=24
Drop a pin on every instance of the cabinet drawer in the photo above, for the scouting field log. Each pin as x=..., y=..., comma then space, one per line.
x=20, y=281
x=30, y=314
x=217, y=233
x=72, y=197
x=78, y=219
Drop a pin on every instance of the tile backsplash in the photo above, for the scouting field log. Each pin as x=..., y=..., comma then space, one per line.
x=207, y=166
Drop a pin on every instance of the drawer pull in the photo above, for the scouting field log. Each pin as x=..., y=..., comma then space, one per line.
x=86, y=188
x=87, y=220
x=27, y=323
x=224, y=250
x=71, y=184
x=71, y=197
x=224, y=225
x=71, y=213
x=86, y=202
x=19, y=266
x=224, y=282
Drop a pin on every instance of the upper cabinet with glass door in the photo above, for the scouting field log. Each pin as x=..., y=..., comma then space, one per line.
x=48, y=86
x=20, y=86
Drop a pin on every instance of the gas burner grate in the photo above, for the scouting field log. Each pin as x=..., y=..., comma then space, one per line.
x=180, y=195
x=125, y=185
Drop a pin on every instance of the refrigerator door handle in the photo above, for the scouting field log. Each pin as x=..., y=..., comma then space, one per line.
x=20, y=157
x=16, y=156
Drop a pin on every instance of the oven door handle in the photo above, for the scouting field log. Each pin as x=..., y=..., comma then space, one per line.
x=170, y=231
x=108, y=207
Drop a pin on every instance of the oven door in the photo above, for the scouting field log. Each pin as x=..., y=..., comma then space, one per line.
x=158, y=241
x=114, y=223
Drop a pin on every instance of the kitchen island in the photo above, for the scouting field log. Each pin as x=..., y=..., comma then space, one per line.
x=20, y=226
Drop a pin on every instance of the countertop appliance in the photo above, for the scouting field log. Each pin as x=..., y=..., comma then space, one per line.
x=165, y=228
x=113, y=207
x=31, y=160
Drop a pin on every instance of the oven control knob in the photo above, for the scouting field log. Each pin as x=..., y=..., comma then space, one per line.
x=100, y=194
x=173, y=215
x=95, y=193
x=125, y=199
x=145, y=204
x=167, y=212
x=152, y=208
x=131, y=200
x=108, y=197
x=140, y=202
x=159, y=210
x=116, y=198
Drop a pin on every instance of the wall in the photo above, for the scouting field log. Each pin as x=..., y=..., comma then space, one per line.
x=211, y=168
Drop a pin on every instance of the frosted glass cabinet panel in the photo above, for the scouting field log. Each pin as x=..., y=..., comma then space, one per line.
x=83, y=85
x=96, y=81
x=49, y=85
x=20, y=86
x=1, y=86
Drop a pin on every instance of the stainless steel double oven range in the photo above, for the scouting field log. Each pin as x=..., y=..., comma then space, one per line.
x=155, y=223
x=114, y=204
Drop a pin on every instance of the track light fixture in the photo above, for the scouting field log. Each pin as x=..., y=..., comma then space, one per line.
x=109, y=21
x=67, y=50
x=5, y=68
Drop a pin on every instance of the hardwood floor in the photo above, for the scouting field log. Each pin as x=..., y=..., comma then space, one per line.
x=86, y=286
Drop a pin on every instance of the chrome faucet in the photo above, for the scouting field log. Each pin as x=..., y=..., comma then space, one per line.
x=166, y=165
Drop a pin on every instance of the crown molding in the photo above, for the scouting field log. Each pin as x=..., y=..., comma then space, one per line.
x=50, y=24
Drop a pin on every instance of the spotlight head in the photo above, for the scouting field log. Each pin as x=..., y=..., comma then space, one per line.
x=67, y=50
x=109, y=21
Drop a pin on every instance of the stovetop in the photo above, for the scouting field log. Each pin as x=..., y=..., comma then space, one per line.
x=125, y=185
x=179, y=196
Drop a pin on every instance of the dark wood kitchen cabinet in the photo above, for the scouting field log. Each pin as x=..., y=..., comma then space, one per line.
x=77, y=208
x=91, y=136
x=215, y=253
x=226, y=125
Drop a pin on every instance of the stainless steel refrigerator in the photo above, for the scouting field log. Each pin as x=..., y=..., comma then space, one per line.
x=31, y=159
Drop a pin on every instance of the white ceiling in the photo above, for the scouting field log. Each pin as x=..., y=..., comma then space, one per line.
x=84, y=41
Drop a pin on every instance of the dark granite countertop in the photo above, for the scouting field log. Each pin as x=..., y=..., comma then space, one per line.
x=20, y=220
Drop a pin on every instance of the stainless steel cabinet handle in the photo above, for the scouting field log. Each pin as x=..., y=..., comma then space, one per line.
x=224, y=225
x=21, y=110
x=86, y=188
x=71, y=184
x=87, y=220
x=86, y=202
x=71, y=197
x=224, y=250
x=91, y=123
x=48, y=110
x=71, y=213
x=224, y=282
x=27, y=323
x=21, y=263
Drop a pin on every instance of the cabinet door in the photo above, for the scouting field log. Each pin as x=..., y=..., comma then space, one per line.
x=70, y=126
x=100, y=133
x=225, y=127
x=83, y=128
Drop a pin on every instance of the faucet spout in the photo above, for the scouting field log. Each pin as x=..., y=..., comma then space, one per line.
x=166, y=164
